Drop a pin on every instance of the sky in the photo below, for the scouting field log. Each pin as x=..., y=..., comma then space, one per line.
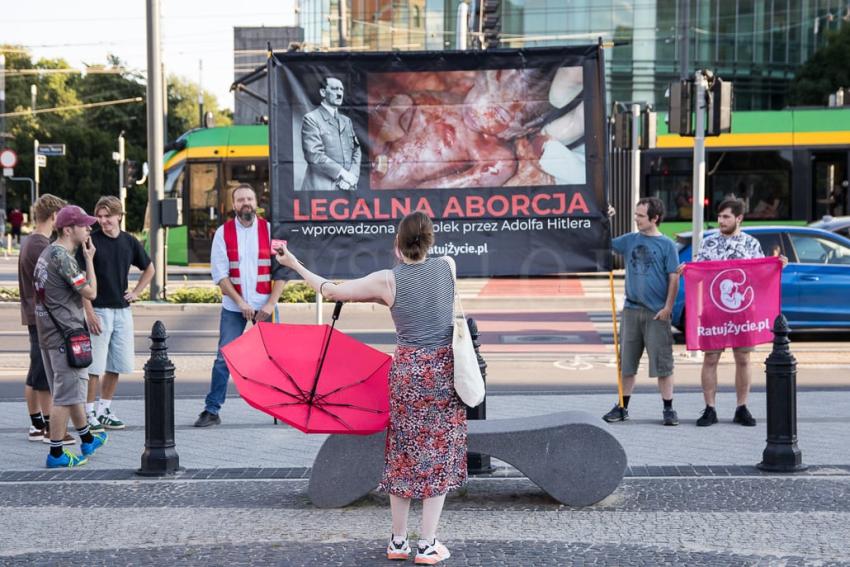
x=86, y=31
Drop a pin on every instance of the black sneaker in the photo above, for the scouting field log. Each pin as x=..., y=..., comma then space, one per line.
x=670, y=417
x=708, y=417
x=205, y=419
x=616, y=414
x=744, y=417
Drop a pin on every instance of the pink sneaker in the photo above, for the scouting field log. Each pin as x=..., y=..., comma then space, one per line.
x=432, y=554
x=398, y=551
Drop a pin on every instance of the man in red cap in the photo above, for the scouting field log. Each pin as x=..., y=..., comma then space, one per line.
x=60, y=285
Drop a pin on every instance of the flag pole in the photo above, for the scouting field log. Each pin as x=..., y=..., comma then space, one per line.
x=616, y=339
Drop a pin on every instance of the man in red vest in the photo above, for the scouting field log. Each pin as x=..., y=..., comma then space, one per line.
x=241, y=265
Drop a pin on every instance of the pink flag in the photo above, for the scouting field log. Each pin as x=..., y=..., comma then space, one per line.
x=731, y=303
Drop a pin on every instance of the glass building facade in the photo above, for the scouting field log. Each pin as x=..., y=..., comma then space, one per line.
x=757, y=44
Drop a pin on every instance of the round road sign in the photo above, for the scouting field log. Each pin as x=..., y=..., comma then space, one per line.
x=8, y=158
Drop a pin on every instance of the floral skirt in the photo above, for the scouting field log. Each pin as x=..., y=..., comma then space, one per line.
x=426, y=441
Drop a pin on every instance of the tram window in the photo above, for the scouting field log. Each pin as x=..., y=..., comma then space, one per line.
x=174, y=181
x=255, y=174
x=203, y=200
x=676, y=194
x=761, y=179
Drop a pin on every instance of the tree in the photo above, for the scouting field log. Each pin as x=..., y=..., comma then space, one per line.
x=88, y=172
x=183, y=110
x=825, y=72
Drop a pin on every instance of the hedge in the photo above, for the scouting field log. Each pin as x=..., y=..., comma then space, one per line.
x=297, y=292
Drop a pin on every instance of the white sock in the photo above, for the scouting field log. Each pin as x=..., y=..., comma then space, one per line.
x=90, y=408
x=102, y=406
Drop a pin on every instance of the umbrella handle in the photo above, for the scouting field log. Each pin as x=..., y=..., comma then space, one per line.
x=337, y=309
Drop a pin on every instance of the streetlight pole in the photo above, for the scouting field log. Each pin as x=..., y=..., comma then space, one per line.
x=155, y=112
x=122, y=189
x=462, y=25
x=33, y=95
x=700, y=86
x=200, y=93
x=635, y=155
x=2, y=124
x=35, y=174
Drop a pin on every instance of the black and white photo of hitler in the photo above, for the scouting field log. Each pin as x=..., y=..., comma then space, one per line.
x=330, y=145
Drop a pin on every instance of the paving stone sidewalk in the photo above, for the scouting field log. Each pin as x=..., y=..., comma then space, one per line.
x=248, y=438
x=692, y=496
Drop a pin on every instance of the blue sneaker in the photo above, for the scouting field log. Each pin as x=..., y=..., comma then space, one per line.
x=67, y=460
x=99, y=441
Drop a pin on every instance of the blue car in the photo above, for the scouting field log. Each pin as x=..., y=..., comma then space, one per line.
x=815, y=283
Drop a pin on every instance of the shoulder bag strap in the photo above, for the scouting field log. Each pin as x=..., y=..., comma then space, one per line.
x=458, y=307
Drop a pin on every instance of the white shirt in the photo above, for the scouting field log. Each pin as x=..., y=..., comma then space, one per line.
x=247, y=244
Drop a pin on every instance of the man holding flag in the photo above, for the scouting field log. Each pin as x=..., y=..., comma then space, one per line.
x=651, y=287
x=729, y=243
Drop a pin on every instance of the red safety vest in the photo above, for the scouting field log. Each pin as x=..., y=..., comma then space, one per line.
x=264, y=261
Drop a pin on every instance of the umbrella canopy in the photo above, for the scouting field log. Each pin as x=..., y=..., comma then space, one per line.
x=313, y=377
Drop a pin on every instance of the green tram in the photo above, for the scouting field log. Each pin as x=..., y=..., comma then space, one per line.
x=789, y=166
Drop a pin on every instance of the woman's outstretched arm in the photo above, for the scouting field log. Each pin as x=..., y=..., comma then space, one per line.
x=378, y=286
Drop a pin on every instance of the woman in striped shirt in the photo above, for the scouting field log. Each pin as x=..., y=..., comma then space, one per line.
x=426, y=442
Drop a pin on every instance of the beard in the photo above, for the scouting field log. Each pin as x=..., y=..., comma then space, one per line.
x=728, y=230
x=246, y=214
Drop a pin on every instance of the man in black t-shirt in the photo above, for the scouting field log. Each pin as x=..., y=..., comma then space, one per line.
x=109, y=316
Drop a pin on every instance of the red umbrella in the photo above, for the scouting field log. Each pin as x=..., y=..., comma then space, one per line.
x=313, y=377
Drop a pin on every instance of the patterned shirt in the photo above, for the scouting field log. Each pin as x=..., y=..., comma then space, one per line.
x=741, y=246
x=58, y=281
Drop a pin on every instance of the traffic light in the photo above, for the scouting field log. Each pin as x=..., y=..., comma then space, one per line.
x=492, y=23
x=648, y=130
x=130, y=173
x=680, y=116
x=622, y=129
x=719, y=108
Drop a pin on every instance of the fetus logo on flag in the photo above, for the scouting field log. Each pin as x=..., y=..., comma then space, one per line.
x=730, y=291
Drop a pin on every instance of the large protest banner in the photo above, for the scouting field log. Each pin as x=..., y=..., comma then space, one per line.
x=731, y=303
x=504, y=149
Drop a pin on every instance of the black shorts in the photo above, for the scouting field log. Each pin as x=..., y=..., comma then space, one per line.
x=16, y=231
x=36, y=377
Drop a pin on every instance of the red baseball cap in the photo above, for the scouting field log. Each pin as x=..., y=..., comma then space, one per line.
x=72, y=215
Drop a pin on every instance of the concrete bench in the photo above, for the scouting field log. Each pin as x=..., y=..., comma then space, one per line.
x=568, y=454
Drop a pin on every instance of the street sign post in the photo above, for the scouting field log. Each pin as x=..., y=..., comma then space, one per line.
x=41, y=160
x=51, y=149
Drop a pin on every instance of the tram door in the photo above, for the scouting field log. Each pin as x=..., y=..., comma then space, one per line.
x=205, y=209
x=830, y=184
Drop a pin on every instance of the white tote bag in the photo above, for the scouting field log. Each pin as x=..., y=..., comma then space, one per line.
x=469, y=384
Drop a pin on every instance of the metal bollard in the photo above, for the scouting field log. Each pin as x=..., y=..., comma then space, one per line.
x=781, y=453
x=160, y=457
x=476, y=463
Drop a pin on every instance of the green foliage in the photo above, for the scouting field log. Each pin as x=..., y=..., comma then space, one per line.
x=88, y=172
x=825, y=72
x=297, y=292
x=9, y=294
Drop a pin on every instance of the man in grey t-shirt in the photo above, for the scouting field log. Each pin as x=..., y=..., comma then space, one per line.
x=60, y=286
x=651, y=286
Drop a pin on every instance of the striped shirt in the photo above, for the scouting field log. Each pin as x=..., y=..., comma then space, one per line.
x=423, y=306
